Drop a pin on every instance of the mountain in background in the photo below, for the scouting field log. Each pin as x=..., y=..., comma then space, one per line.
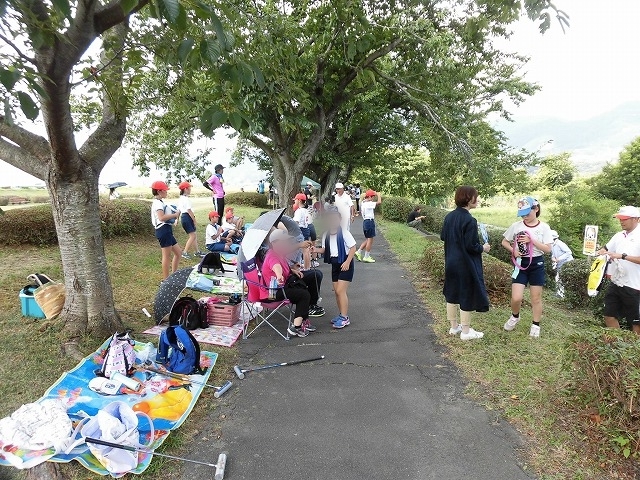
x=592, y=142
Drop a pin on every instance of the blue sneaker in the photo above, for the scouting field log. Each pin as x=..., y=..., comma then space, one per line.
x=341, y=322
x=335, y=319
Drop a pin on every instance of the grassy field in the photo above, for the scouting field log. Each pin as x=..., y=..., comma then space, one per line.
x=35, y=361
x=519, y=378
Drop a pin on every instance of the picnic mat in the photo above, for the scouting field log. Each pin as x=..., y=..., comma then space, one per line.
x=214, y=335
x=167, y=401
x=202, y=282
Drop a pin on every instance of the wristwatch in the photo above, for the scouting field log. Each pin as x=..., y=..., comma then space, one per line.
x=623, y=256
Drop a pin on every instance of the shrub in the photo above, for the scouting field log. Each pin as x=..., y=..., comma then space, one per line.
x=40, y=199
x=574, y=276
x=247, y=199
x=497, y=274
x=606, y=379
x=397, y=209
x=434, y=219
x=4, y=201
x=35, y=225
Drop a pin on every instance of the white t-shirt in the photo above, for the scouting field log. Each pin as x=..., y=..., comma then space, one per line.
x=541, y=233
x=211, y=234
x=184, y=204
x=367, y=208
x=344, y=203
x=623, y=272
x=349, y=242
x=226, y=226
x=156, y=205
x=301, y=217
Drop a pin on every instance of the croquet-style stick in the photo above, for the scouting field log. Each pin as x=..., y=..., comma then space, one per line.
x=129, y=448
x=241, y=371
x=219, y=391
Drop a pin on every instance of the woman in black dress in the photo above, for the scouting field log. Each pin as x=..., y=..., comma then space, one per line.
x=464, y=287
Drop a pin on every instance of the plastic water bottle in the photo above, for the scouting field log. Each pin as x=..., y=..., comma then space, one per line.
x=273, y=288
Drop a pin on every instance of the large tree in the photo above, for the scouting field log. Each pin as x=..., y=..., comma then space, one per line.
x=42, y=65
x=319, y=60
x=620, y=181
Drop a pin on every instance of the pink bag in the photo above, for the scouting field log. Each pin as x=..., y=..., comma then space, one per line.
x=120, y=356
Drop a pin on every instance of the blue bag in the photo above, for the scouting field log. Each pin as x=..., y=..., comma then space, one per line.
x=179, y=351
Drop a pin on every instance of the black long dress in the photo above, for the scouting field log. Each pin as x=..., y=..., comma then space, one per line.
x=463, y=277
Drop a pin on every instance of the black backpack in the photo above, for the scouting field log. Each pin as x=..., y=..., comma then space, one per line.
x=188, y=313
x=211, y=261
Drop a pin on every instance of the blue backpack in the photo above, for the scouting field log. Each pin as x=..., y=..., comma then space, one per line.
x=179, y=351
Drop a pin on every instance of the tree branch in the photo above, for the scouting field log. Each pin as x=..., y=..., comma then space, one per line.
x=20, y=158
x=32, y=143
x=262, y=145
x=112, y=14
x=18, y=51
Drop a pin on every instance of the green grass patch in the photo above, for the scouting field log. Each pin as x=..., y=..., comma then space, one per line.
x=509, y=372
x=32, y=360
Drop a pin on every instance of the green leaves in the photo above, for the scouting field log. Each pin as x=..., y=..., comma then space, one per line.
x=185, y=48
x=128, y=5
x=212, y=119
x=170, y=9
x=210, y=50
x=9, y=77
x=63, y=7
x=28, y=106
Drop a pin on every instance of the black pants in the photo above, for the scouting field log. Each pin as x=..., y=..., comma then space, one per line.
x=357, y=204
x=302, y=298
x=218, y=206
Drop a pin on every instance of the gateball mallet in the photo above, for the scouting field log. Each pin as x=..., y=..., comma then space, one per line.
x=219, y=391
x=219, y=465
x=241, y=371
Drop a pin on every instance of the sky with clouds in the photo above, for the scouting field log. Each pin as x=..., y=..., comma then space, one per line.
x=588, y=70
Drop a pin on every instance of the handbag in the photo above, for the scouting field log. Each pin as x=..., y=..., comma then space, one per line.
x=116, y=423
x=295, y=281
x=49, y=295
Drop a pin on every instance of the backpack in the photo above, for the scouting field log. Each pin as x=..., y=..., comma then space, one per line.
x=188, y=312
x=179, y=351
x=211, y=261
x=119, y=357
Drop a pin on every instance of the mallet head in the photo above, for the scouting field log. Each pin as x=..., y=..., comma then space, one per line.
x=223, y=388
x=239, y=372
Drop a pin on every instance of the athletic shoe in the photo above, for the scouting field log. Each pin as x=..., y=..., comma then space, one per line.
x=297, y=331
x=201, y=254
x=341, y=322
x=534, y=332
x=315, y=263
x=186, y=256
x=368, y=260
x=335, y=319
x=472, y=335
x=455, y=331
x=358, y=255
x=511, y=323
x=308, y=326
x=316, y=311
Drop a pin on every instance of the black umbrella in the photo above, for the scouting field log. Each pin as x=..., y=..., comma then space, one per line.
x=169, y=291
x=117, y=185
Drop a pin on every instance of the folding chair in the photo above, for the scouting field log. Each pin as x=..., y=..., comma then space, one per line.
x=255, y=290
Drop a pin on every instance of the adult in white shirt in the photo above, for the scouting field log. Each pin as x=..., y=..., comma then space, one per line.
x=344, y=204
x=623, y=295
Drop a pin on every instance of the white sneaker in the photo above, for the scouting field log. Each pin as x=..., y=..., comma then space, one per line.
x=511, y=323
x=472, y=335
x=535, y=331
x=455, y=331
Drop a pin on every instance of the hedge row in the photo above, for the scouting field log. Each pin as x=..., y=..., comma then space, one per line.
x=247, y=199
x=35, y=226
x=497, y=274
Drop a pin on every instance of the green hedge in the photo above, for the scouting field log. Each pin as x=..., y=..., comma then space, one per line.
x=35, y=226
x=247, y=199
x=605, y=378
x=497, y=274
x=574, y=277
x=397, y=209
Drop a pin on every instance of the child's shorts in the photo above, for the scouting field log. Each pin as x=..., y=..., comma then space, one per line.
x=306, y=233
x=535, y=275
x=338, y=274
x=369, y=228
x=187, y=223
x=164, y=234
x=216, y=247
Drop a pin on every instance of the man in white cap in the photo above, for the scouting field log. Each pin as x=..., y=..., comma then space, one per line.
x=344, y=204
x=623, y=295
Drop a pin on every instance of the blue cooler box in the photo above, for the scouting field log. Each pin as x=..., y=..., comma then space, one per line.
x=28, y=303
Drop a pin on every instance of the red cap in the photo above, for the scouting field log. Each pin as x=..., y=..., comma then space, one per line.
x=159, y=185
x=213, y=214
x=370, y=193
x=184, y=185
x=300, y=196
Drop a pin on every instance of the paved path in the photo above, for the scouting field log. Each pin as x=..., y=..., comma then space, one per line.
x=384, y=404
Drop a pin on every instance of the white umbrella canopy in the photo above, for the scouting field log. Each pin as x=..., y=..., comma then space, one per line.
x=255, y=236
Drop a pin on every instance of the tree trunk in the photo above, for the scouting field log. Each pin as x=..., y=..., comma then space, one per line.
x=89, y=307
x=330, y=180
x=287, y=175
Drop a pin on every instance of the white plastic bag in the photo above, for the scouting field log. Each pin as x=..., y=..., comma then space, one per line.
x=248, y=311
x=116, y=423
